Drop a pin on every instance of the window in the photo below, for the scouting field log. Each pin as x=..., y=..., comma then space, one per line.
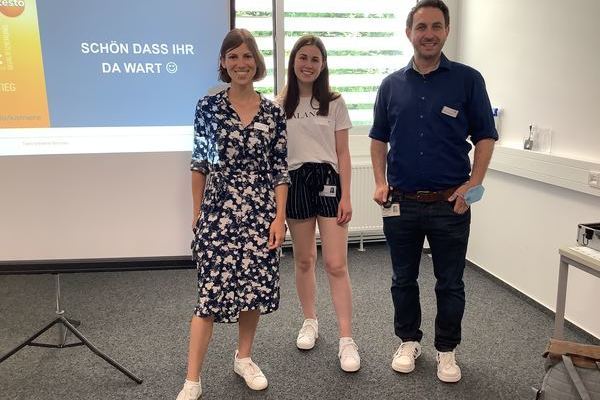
x=257, y=17
x=365, y=41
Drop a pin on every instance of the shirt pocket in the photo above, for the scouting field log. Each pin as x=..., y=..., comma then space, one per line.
x=451, y=112
x=449, y=109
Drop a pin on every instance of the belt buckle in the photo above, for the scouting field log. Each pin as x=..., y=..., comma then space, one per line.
x=424, y=195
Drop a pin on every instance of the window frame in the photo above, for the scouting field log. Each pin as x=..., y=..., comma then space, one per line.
x=278, y=48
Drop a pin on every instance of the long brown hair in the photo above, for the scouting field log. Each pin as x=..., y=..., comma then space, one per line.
x=321, y=91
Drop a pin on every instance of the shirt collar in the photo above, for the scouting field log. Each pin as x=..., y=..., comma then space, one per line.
x=224, y=99
x=444, y=63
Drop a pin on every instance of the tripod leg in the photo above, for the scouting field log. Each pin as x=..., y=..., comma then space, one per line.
x=74, y=322
x=31, y=339
x=63, y=332
x=93, y=348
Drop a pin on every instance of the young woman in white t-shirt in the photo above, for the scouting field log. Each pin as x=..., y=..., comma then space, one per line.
x=319, y=164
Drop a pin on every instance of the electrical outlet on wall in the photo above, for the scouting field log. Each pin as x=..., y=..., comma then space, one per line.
x=594, y=179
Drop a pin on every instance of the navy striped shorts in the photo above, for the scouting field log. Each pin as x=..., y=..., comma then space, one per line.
x=306, y=197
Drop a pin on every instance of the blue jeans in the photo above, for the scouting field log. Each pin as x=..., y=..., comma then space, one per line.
x=448, y=236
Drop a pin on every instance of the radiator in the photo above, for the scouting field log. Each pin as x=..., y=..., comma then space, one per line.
x=366, y=214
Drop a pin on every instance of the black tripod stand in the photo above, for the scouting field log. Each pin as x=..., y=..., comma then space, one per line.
x=66, y=325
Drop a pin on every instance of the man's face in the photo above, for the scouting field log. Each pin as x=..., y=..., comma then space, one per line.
x=428, y=33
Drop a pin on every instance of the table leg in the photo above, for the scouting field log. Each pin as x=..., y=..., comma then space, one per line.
x=559, y=317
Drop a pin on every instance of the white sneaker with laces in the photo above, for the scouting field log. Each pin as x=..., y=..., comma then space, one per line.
x=405, y=356
x=447, y=368
x=191, y=390
x=308, y=334
x=348, y=354
x=248, y=370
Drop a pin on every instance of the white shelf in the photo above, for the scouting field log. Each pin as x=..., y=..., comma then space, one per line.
x=555, y=170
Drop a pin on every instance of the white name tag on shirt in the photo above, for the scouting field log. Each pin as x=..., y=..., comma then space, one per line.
x=328, y=191
x=261, y=127
x=391, y=211
x=451, y=112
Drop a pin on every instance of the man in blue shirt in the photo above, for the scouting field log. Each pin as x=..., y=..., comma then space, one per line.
x=426, y=112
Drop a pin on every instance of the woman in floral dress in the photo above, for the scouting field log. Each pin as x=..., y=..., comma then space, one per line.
x=239, y=188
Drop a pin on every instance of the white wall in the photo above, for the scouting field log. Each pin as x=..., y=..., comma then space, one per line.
x=95, y=206
x=452, y=42
x=541, y=66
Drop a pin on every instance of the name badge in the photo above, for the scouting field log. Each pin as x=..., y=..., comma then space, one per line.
x=451, y=112
x=391, y=211
x=261, y=127
x=328, y=191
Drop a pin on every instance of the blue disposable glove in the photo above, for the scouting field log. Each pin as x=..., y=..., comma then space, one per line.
x=474, y=194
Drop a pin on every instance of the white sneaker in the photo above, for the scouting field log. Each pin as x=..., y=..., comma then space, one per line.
x=447, y=369
x=405, y=356
x=348, y=354
x=191, y=390
x=253, y=376
x=308, y=334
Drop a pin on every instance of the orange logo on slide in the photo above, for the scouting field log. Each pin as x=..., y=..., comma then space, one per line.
x=12, y=8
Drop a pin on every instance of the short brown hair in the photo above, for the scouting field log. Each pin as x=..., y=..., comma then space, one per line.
x=233, y=39
x=439, y=4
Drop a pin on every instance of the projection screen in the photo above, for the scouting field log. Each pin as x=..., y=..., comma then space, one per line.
x=97, y=101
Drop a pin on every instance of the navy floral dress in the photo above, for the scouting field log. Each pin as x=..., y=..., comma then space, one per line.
x=236, y=270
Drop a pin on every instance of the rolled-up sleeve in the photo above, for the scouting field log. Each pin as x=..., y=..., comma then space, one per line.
x=200, y=153
x=278, y=155
x=479, y=111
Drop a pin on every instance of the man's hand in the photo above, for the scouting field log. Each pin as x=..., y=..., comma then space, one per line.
x=460, y=207
x=276, y=233
x=381, y=194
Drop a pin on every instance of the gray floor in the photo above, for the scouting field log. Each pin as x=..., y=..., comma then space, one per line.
x=141, y=319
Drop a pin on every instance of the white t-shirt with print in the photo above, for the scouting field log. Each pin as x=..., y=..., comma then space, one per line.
x=311, y=137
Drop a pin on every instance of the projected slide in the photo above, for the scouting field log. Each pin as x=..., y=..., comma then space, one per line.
x=99, y=64
x=22, y=87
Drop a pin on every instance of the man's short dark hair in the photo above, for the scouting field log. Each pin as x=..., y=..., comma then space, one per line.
x=439, y=4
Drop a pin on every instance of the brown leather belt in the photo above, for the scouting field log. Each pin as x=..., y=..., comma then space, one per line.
x=423, y=196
